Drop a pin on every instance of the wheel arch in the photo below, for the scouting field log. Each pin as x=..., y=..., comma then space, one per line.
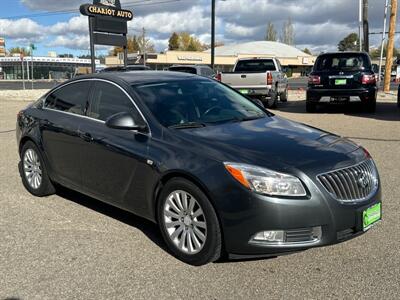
x=185, y=175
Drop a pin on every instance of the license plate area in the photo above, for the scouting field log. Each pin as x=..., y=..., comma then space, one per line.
x=340, y=81
x=339, y=99
x=244, y=91
x=370, y=216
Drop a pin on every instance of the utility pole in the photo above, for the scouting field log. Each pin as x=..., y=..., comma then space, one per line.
x=366, y=26
x=144, y=45
x=360, y=22
x=390, y=47
x=383, y=39
x=212, y=34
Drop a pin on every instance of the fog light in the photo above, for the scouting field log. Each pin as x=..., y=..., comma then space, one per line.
x=270, y=236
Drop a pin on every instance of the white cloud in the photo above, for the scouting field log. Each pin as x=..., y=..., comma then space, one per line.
x=75, y=25
x=71, y=42
x=319, y=25
x=240, y=31
x=20, y=29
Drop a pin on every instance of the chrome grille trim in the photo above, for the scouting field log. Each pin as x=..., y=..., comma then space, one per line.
x=351, y=184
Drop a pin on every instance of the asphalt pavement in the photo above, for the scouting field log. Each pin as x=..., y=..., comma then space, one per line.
x=70, y=246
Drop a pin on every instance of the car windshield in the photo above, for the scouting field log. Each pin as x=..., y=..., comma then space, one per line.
x=191, y=102
x=351, y=62
x=255, y=65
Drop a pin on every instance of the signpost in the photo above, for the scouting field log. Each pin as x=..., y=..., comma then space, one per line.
x=107, y=25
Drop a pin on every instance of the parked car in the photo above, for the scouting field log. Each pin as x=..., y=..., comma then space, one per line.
x=201, y=70
x=218, y=173
x=260, y=78
x=126, y=69
x=342, y=77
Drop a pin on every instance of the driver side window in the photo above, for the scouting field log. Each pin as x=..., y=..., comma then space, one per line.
x=109, y=100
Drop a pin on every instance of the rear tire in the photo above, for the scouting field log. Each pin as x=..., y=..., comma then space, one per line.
x=284, y=96
x=370, y=107
x=311, y=107
x=33, y=171
x=272, y=101
x=190, y=227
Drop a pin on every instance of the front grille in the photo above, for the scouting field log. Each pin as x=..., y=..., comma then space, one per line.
x=354, y=183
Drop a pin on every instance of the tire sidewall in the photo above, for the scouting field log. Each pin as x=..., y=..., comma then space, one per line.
x=212, y=248
x=46, y=188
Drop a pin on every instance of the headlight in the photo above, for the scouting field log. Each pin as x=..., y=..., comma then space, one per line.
x=265, y=181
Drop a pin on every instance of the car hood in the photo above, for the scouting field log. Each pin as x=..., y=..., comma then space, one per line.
x=273, y=142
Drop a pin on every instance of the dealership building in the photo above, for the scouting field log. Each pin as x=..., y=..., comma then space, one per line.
x=294, y=61
x=46, y=67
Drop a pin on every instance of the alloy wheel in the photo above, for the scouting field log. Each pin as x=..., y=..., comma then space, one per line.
x=185, y=222
x=32, y=169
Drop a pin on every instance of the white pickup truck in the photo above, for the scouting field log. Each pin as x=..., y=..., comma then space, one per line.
x=260, y=78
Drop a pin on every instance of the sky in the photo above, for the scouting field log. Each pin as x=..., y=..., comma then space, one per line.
x=56, y=25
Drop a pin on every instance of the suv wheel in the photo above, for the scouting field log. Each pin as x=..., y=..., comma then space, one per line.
x=188, y=223
x=311, y=107
x=33, y=171
x=370, y=107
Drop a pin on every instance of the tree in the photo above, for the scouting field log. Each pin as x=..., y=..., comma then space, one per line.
x=19, y=50
x=132, y=45
x=184, y=41
x=376, y=53
x=271, y=34
x=288, y=32
x=349, y=43
x=173, y=43
x=306, y=50
x=145, y=45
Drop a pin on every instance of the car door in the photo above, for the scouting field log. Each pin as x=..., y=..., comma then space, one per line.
x=114, y=165
x=65, y=108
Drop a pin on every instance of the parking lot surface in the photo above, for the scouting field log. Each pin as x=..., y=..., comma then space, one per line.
x=71, y=246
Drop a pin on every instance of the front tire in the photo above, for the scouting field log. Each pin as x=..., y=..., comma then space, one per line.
x=188, y=223
x=33, y=171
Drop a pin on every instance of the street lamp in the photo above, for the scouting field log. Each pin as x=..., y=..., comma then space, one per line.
x=213, y=33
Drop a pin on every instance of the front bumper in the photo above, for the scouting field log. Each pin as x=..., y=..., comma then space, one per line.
x=253, y=213
x=341, y=95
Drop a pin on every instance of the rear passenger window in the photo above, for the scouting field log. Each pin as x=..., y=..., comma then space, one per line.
x=71, y=98
x=109, y=100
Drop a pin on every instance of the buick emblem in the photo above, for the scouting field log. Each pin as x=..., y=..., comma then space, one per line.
x=362, y=180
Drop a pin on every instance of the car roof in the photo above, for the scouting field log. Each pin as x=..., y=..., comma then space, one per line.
x=141, y=77
x=344, y=53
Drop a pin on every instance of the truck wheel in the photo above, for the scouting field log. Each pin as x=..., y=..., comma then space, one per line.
x=284, y=95
x=272, y=101
x=311, y=107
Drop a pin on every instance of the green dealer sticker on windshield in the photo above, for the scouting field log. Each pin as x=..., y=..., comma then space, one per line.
x=371, y=216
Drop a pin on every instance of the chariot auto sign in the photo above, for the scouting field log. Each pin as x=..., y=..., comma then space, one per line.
x=107, y=25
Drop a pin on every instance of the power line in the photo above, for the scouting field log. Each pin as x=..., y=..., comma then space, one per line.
x=76, y=11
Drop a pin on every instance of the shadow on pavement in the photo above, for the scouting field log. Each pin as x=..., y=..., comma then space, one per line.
x=386, y=111
x=150, y=229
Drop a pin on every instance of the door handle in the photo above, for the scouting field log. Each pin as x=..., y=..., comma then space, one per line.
x=85, y=136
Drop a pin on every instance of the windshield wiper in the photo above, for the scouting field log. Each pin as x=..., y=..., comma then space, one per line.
x=188, y=125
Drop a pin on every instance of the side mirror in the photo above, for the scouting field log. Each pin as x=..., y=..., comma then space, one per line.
x=124, y=121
